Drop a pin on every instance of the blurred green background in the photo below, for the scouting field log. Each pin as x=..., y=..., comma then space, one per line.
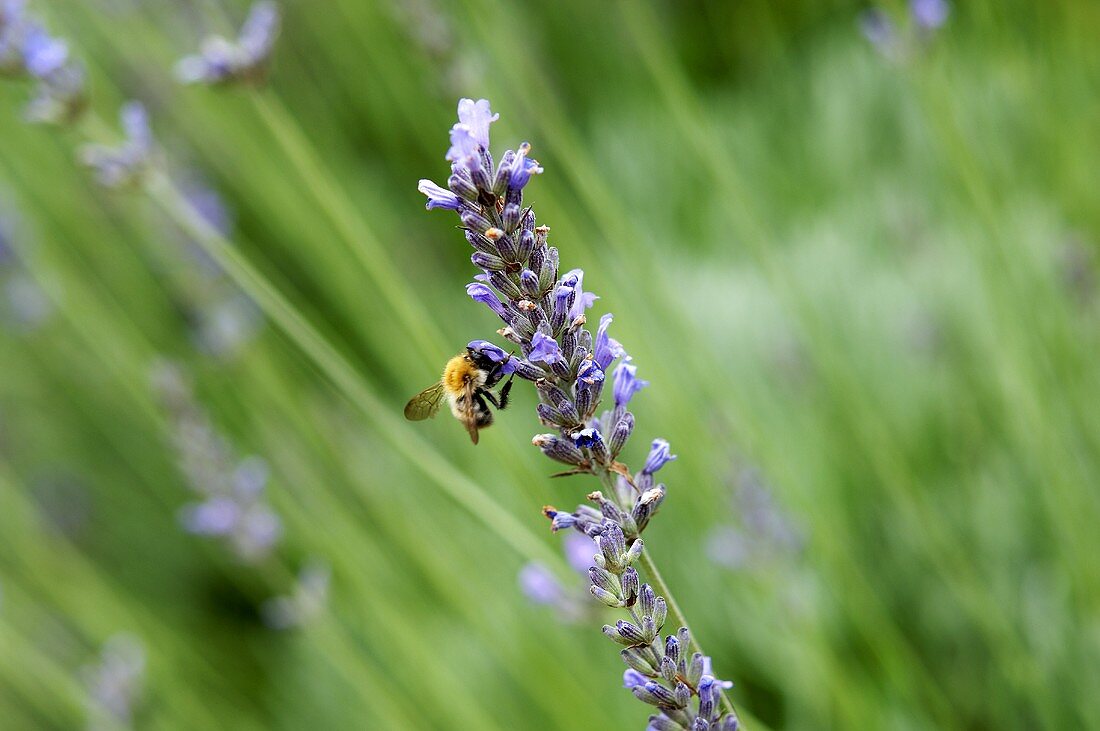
x=861, y=280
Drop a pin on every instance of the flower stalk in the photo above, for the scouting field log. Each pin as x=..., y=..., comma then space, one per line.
x=543, y=312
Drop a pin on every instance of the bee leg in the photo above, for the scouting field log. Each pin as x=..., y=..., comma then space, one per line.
x=504, y=393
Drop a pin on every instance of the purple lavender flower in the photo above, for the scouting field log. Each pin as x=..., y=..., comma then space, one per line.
x=305, y=601
x=660, y=454
x=540, y=585
x=544, y=315
x=27, y=50
x=114, y=683
x=929, y=14
x=626, y=381
x=438, y=197
x=245, y=60
x=879, y=30
x=231, y=505
x=125, y=164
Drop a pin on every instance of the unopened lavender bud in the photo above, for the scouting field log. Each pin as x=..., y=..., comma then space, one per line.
x=608, y=509
x=637, y=660
x=475, y=221
x=616, y=636
x=525, y=245
x=649, y=629
x=527, y=371
x=683, y=695
x=729, y=722
x=684, y=638
x=664, y=696
x=663, y=723
x=506, y=246
x=488, y=262
x=504, y=171
x=550, y=416
x=548, y=272
x=647, y=505
x=605, y=580
x=560, y=450
x=563, y=300
x=511, y=217
x=605, y=596
x=630, y=584
x=707, y=697
x=660, y=613
x=462, y=186
x=624, y=427
x=505, y=285
x=646, y=600
x=529, y=284
x=632, y=632
x=612, y=545
x=635, y=551
x=700, y=725
x=695, y=669
x=672, y=648
x=668, y=669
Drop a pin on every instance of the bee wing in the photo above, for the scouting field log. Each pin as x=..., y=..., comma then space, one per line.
x=425, y=404
x=469, y=416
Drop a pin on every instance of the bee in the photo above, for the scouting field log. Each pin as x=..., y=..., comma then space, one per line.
x=466, y=383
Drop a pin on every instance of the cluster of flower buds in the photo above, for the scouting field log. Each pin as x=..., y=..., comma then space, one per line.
x=224, y=61
x=125, y=164
x=232, y=505
x=662, y=672
x=28, y=51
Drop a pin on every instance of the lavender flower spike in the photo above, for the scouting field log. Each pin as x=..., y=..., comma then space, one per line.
x=125, y=164
x=544, y=312
x=222, y=61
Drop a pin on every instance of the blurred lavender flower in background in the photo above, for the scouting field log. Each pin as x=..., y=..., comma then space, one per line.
x=232, y=505
x=572, y=602
x=27, y=50
x=764, y=533
x=125, y=164
x=222, y=318
x=897, y=43
x=223, y=61
x=24, y=306
x=545, y=315
x=305, y=602
x=114, y=683
x=929, y=14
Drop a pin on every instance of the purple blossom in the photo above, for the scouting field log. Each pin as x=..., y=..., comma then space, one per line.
x=879, y=30
x=660, y=454
x=607, y=349
x=633, y=679
x=929, y=14
x=579, y=550
x=583, y=300
x=43, y=54
x=464, y=149
x=539, y=584
x=217, y=516
x=438, y=197
x=626, y=382
x=523, y=168
x=495, y=354
x=481, y=293
x=477, y=117
x=545, y=349
x=221, y=61
x=124, y=164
